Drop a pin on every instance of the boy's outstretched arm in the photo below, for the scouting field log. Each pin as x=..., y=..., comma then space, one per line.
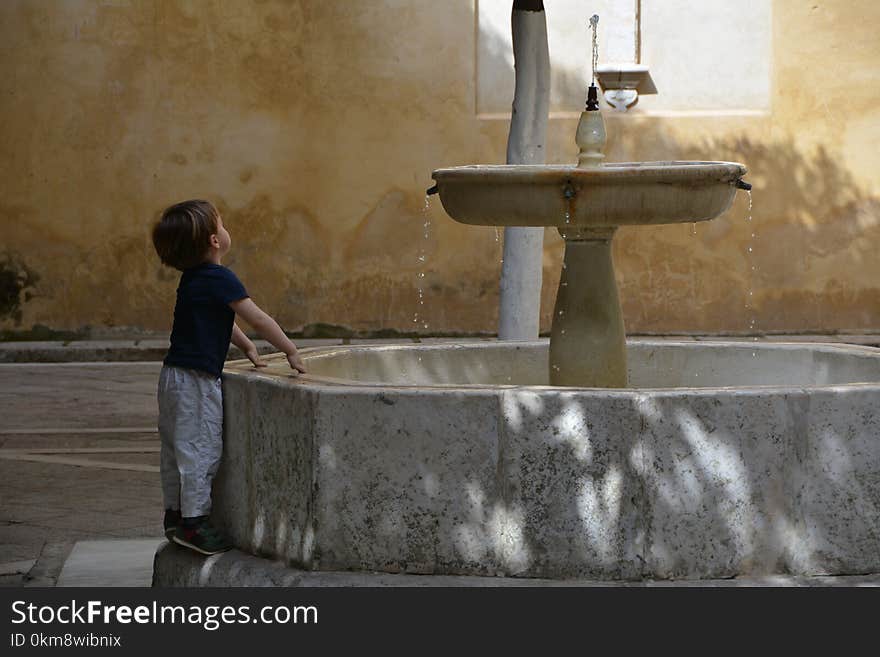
x=243, y=342
x=268, y=328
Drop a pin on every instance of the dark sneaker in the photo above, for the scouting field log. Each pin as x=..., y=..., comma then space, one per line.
x=202, y=537
x=172, y=519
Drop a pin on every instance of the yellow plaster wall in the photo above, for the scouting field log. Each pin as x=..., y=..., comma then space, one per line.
x=314, y=126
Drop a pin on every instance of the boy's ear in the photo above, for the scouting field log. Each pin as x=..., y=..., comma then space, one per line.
x=215, y=241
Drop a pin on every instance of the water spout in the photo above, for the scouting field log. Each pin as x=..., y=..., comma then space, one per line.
x=742, y=184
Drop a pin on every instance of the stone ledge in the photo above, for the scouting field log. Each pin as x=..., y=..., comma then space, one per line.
x=174, y=566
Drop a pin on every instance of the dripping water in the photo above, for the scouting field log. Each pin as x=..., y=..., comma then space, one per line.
x=419, y=319
x=750, y=250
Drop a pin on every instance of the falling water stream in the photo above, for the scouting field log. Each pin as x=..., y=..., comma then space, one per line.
x=750, y=309
x=419, y=314
x=750, y=253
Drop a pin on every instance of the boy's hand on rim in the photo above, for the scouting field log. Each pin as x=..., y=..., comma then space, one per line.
x=254, y=356
x=296, y=362
x=268, y=328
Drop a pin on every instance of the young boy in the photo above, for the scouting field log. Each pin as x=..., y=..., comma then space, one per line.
x=190, y=237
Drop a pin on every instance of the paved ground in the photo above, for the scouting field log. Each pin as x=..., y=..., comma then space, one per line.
x=79, y=457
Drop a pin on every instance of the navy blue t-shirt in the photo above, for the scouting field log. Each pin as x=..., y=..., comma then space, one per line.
x=203, y=319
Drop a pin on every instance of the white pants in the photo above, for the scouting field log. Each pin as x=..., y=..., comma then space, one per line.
x=191, y=429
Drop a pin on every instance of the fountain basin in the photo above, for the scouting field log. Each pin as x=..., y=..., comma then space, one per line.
x=587, y=204
x=615, y=194
x=379, y=461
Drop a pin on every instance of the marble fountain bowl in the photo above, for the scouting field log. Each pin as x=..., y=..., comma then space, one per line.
x=614, y=194
x=719, y=459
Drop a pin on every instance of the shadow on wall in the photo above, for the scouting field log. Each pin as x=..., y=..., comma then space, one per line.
x=801, y=259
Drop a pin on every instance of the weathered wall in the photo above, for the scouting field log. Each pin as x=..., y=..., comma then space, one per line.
x=314, y=126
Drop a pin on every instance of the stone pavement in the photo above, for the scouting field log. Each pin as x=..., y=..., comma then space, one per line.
x=79, y=456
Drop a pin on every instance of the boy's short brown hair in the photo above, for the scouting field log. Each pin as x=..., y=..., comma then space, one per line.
x=182, y=236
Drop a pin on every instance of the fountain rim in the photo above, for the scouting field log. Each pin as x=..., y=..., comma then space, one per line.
x=620, y=172
x=244, y=368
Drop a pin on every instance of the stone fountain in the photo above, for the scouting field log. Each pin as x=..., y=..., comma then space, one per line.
x=588, y=457
x=586, y=204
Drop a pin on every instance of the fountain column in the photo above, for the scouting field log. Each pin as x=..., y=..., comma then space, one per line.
x=587, y=338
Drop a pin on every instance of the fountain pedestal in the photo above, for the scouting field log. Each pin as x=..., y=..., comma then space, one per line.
x=588, y=341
